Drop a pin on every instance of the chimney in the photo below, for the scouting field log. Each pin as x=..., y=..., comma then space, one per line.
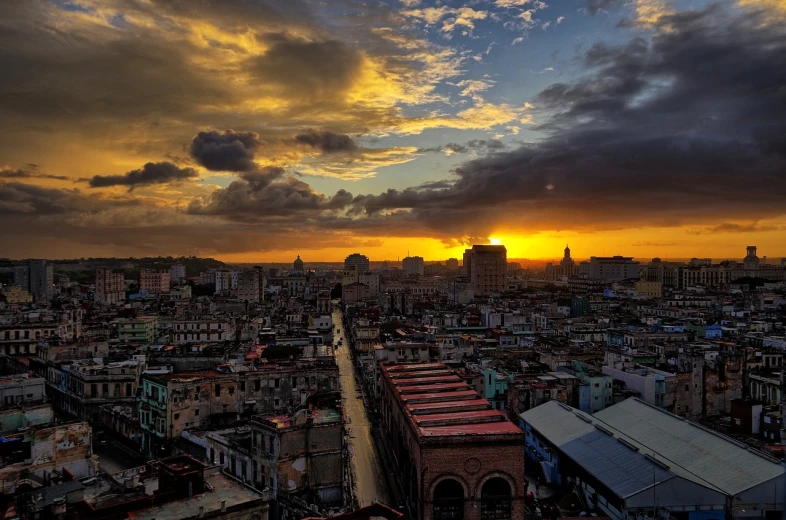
x=223, y=506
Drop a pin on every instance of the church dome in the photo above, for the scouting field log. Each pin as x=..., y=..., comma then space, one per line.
x=298, y=264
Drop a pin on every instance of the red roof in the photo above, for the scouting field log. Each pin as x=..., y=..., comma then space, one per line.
x=440, y=404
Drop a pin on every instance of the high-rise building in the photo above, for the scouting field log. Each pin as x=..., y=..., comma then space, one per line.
x=154, y=281
x=248, y=285
x=177, y=273
x=452, y=265
x=37, y=278
x=358, y=262
x=413, y=266
x=487, y=268
x=110, y=287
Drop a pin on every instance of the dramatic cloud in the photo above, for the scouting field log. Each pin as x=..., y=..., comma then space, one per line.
x=480, y=146
x=687, y=126
x=150, y=173
x=30, y=171
x=266, y=194
x=18, y=198
x=327, y=142
x=228, y=151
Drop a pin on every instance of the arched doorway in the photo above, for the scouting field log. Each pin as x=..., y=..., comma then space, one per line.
x=448, y=500
x=495, y=500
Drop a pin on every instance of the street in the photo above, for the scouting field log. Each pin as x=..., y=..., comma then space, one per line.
x=369, y=483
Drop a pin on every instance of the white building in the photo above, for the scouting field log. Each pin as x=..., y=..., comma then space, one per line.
x=372, y=281
x=194, y=331
x=177, y=273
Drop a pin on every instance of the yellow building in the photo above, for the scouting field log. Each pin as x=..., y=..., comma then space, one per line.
x=15, y=294
x=649, y=289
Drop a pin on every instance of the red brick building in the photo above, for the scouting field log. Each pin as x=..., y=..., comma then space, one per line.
x=457, y=458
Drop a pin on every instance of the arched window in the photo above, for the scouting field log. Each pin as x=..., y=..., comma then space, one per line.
x=448, y=500
x=495, y=500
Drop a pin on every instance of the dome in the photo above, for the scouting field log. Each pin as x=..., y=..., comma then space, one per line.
x=298, y=264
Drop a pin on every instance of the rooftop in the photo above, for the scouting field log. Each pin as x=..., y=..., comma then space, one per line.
x=438, y=403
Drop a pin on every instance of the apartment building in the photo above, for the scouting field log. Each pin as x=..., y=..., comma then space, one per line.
x=143, y=329
x=154, y=281
x=203, y=330
x=487, y=268
x=109, y=287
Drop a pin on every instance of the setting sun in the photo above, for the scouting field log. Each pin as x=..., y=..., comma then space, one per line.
x=495, y=241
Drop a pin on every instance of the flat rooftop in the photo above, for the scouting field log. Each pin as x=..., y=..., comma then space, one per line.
x=438, y=403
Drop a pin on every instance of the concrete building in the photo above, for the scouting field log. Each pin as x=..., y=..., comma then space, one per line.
x=610, y=268
x=649, y=290
x=37, y=278
x=455, y=457
x=154, y=281
x=35, y=448
x=248, y=286
x=358, y=262
x=110, y=287
x=355, y=292
x=171, y=403
x=21, y=389
x=487, y=268
x=669, y=274
x=14, y=294
x=23, y=335
x=177, y=273
x=372, y=281
x=651, y=384
x=210, y=329
x=79, y=389
x=452, y=265
x=143, y=329
x=413, y=266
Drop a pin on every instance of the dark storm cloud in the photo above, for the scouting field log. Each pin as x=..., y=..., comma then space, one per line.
x=685, y=127
x=474, y=145
x=30, y=171
x=595, y=6
x=327, y=142
x=150, y=173
x=228, y=151
x=265, y=194
x=17, y=198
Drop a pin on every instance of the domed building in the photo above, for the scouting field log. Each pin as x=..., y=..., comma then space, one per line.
x=298, y=264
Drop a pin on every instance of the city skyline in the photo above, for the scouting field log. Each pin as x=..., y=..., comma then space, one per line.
x=245, y=131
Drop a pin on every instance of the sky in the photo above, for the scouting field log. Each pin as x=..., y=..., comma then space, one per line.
x=252, y=130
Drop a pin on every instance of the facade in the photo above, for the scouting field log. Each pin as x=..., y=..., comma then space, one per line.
x=21, y=389
x=37, y=278
x=143, y=329
x=651, y=384
x=177, y=273
x=110, y=287
x=248, y=286
x=15, y=294
x=452, y=265
x=358, y=262
x=610, y=268
x=203, y=330
x=154, y=281
x=79, y=389
x=372, y=281
x=649, y=290
x=566, y=268
x=413, y=266
x=487, y=268
x=455, y=456
x=669, y=274
x=171, y=403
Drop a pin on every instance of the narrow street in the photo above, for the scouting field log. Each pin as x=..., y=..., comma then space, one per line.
x=369, y=483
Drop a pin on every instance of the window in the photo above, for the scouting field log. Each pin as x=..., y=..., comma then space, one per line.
x=221, y=458
x=196, y=412
x=218, y=390
x=231, y=390
x=294, y=382
x=257, y=385
x=196, y=391
x=242, y=386
x=276, y=383
x=177, y=416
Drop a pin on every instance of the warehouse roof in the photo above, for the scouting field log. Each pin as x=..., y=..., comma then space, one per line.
x=706, y=455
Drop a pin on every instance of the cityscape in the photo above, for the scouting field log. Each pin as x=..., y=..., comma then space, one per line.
x=392, y=259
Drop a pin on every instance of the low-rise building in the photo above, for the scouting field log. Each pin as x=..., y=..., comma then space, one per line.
x=143, y=329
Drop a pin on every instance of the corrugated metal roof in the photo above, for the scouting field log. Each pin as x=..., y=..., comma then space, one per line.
x=623, y=470
x=702, y=455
